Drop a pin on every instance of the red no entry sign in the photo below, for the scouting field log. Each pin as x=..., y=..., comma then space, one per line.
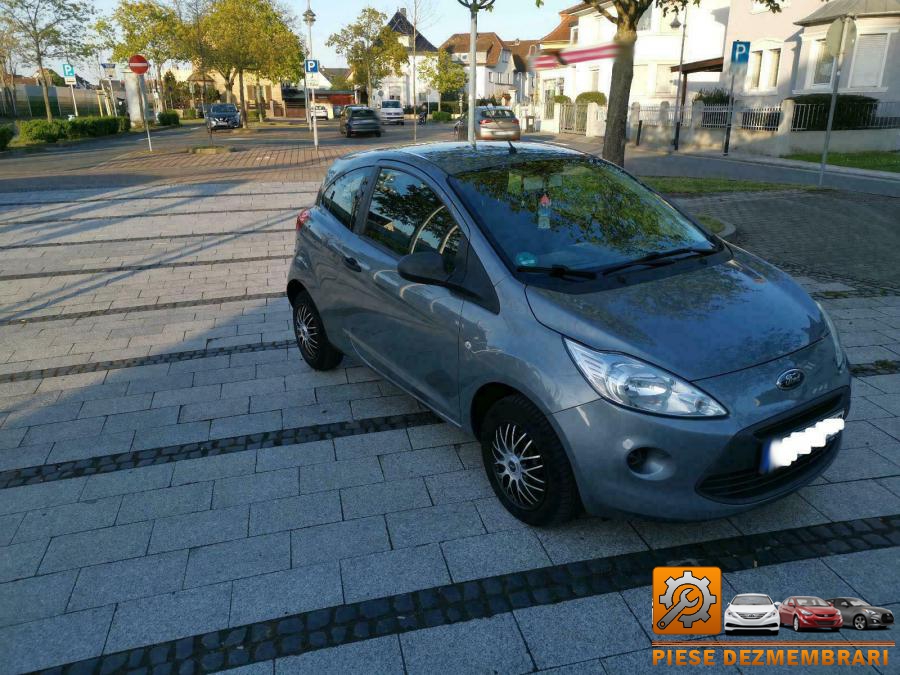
x=138, y=64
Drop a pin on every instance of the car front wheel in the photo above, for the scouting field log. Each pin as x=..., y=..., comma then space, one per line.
x=796, y=625
x=526, y=464
x=312, y=340
x=859, y=622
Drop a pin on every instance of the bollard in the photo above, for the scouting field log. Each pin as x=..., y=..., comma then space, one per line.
x=637, y=141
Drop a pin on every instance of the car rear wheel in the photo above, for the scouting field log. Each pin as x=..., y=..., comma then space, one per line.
x=526, y=464
x=349, y=133
x=859, y=622
x=796, y=625
x=312, y=340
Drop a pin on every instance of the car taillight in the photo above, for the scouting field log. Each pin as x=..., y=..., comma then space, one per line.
x=484, y=122
x=302, y=217
x=515, y=120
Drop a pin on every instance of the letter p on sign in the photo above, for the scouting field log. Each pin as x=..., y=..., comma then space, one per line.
x=740, y=52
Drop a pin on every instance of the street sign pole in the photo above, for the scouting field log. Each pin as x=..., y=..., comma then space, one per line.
x=144, y=112
x=74, y=102
x=311, y=75
x=740, y=55
x=730, y=114
x=838, y=54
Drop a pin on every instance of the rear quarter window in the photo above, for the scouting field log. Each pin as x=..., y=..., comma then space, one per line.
x=341, y=197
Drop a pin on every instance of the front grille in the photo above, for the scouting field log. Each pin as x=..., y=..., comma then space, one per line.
x=749, y=616
x=826, y=622
x=887, y=617
x=735, y=476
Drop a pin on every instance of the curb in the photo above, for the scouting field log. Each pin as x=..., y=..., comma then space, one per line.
x=797, y=164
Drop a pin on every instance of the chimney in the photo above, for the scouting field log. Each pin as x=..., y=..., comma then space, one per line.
x=403, y=11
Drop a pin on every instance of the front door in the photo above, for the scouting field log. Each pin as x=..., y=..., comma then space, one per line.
x=407, y=331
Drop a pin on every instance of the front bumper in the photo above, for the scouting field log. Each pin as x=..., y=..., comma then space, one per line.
x=398, y=119
x=699, y=469
x=734, y=621
x=820, y=622
x=228, y=124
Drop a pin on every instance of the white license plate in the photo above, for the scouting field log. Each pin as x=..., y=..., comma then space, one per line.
x=784, y=451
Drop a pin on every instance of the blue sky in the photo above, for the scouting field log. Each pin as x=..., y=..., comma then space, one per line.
x=509, y=19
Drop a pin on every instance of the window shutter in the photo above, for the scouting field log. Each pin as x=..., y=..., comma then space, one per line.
x=868, y=60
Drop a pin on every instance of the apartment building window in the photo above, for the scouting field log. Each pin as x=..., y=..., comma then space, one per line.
x=665, y=84
x=774, y=65
x=868, y=60
x=644, y=21
x=595, y=79
x=755, y=69
x=824, y=64
x=639, y=81
x=573, y=35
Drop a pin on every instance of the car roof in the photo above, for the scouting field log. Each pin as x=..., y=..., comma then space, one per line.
x=455, y=158
x=754, y=595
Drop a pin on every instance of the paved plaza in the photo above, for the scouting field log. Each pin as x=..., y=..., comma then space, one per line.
x=179, y=492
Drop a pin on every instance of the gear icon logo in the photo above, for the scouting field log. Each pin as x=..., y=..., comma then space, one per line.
x=687, y=600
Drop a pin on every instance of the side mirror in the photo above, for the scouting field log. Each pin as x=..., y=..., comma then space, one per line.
x=830, y=604
x=777, y=605
x=426, y=267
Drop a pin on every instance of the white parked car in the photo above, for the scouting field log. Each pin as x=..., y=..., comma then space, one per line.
x=751, y=611
x=321, y=112
x=391, y=112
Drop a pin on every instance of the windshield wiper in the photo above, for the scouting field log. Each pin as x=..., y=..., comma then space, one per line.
x=659, y=258
x=558, y=271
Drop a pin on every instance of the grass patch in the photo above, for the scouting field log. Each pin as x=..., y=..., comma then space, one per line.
x=873, y=160
x=712, y=224
x=690, y=186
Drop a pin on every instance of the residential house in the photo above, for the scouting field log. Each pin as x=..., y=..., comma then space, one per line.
x=500, y=67
x=399, y=87
x=523, y=51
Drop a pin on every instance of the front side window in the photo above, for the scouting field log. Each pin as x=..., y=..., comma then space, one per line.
x=824, y=64
x=406, y=216
x=572, y=211
x=342, y=197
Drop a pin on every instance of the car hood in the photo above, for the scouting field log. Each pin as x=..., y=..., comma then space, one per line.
x=820, y=611
x=696, y=324
x=752, y=609
x=883, y=610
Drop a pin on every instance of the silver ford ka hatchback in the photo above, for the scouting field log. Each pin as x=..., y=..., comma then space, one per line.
x=606, y=350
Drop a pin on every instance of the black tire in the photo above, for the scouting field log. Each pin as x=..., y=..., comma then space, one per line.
x=314, y=346
x=860, y=625
x=348, y=132
x=378, y=134
x=402, y=124
x=545, y=463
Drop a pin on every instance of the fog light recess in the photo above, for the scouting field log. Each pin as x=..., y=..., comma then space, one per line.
x=648, y=461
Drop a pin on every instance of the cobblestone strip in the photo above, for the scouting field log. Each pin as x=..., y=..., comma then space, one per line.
x=129, y=460
x=138, y=268
x=125, y=240
x=482, y=598
x=877, y=368
x=141, y=308
x=154, y=359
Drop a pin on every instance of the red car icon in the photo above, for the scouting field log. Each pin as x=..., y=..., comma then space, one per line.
x=806, y=611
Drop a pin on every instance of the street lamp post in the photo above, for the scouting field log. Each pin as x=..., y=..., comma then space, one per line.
x=682, y=80
x=310, y=18
x=474, y=6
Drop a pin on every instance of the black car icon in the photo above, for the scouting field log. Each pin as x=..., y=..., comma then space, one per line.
x=861, y=615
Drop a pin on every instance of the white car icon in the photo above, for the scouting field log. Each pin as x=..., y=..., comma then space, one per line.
x=751, y=611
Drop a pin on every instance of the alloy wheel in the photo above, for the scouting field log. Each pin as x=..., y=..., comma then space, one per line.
x=307, y=331
x=519, y=467
x=796, y=625
x=859, y=623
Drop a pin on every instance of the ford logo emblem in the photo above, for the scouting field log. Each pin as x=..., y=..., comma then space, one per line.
x=790, y=379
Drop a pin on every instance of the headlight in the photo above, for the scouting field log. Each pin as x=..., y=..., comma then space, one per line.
x=805, y=612
x=634, y=384
x=871, y=612
x=770, y=614
x=835, y=340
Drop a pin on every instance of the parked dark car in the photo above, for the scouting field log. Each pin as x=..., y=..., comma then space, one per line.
x=492, y=123
x=806, y=611
x=861, y=615
x=223, y=115
x=359, y=120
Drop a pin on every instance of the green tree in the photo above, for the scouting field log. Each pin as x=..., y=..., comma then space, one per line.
x=47, y=29
x=371, y=49
x=443, y=74
x=625, y=14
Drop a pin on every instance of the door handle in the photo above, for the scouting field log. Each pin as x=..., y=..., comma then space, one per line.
x=352, y=264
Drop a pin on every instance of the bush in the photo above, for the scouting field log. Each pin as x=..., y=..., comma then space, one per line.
x=189, y=114
x=91, y=127
x=561, y=98
x=851, y=111
x=6, y=134
x=42, y=130
x=168, y=118
x=252, y=115
x=440, y=116
x=717, y=96
x=597, y=97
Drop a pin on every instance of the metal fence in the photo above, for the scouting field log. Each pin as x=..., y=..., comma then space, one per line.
x=26, y=101
x=847, y=115
x=715, y=116
x=549, y=108
x=573, y=118
x=766, y=118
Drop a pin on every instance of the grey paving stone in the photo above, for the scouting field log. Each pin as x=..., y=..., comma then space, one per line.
x=382, y=406
x=21, y=560
x=459, y=486
x=278, y=594
x=888, y=384
x=479, y=646
x=222, y=375
x=470, y=455
x=199, y=529
x=858, y=463
x=792, y=511
x=251, y=387
x=35, y=597
x=114, y=582
x=211, y=468
x=889, y=425
x=74, y=449
x=664, y=535
x=281, y=399
x=170, y=397
x=112, y=406
x=259, y=668
x=96, y=546
x=805, y=577
x=195, y=365
x=847, y=501
x=489, y=554
x=641, y=662
x=347, y=392
x=595, y=538
x=300, y=454
x=335, y=541
x=239, y=558
x=423, y=462
x=433, y=524
x=495, y=517
x=54, y=641
x=226, y=407
x=368, y=445
x=432, y=435
x=579, y=630
x=334, y=475
x=164, y=383
x=874, y=575
x=378, y=655
x=45, y=414
x=239, y=425
x=168, y=617
x=142, y=419
x=294, y=512
x=892, y=484
x=10, y=438
x=23, y=456
x=8, y=526
x=319, y=413
x=164, y=502
x=401, y=571
x=67, y=518
x=47, y=433
x=397, y=495
x=255, y=488
x=40, y=495
x=862, y=434
x=174, y=434
x=129, y=480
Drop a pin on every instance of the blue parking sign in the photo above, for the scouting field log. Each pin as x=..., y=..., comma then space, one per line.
x=68, y=70
x=740, y=52
x=312, y=66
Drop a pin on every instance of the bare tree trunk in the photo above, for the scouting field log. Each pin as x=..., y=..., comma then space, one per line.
x=243, y=102
x=45, y=89
x=619, y=91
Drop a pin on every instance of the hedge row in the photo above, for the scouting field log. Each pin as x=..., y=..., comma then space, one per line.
x=440, y=116
x=79, y=127
x=168, y=118
x=6, y=134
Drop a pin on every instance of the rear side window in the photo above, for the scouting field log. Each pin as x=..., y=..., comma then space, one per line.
x=406, y=216
x=342, y=197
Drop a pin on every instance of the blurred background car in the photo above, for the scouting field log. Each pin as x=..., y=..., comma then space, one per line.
x=492, y=123
x=223, y=115
x=391, y=112
x=359, y=120
x=321, y=112
x=861, y=615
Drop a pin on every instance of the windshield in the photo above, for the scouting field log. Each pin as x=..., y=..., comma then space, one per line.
x=573, y=211
x=856, y=602
x=390, y=104
x=751, y=600
x=498, y=113
x=811, y=602
x=224, y=108
x=362, y=113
